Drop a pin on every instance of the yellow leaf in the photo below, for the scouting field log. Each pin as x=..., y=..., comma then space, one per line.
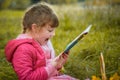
x=115, y=77
x=95, y=78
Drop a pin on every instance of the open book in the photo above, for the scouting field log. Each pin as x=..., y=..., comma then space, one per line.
x=78, y=38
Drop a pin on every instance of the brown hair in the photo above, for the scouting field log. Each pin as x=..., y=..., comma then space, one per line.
x=39, y=14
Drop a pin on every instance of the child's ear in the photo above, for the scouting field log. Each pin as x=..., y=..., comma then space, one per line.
x=34, y=27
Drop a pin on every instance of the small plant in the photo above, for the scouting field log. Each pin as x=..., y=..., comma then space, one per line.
x=103, y=74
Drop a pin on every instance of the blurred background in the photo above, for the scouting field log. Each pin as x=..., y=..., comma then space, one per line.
x=74, y=17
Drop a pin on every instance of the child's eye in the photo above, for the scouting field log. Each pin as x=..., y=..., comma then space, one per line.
x=50, y=30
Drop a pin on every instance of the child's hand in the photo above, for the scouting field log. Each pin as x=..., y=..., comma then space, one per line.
x=60, y=60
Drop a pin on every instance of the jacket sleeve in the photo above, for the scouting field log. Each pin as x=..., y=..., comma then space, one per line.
x=23, y=65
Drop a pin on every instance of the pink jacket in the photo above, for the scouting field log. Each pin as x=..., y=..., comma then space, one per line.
x=28, y=59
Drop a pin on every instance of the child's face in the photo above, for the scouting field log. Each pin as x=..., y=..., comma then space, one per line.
x=43, y=34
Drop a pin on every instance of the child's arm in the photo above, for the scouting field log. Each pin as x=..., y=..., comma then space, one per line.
x=24, y=66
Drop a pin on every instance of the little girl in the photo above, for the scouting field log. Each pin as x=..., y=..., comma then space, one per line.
x=31, y=53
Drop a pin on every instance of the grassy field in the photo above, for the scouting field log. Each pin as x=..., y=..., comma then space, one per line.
x=84, y=57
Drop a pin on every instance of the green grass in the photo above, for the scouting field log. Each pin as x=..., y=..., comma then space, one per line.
x=84, y=57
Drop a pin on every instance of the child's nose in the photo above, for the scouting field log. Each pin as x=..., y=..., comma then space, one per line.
x=53, y=33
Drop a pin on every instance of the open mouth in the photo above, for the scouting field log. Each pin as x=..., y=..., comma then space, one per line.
x=46, y=39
